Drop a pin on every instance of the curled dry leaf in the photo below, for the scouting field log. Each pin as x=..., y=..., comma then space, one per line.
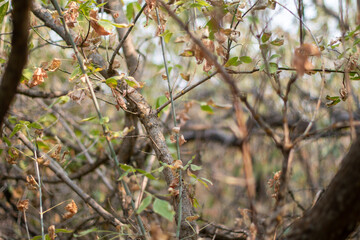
x=181, y=140
x=173, y=192
x=23, y=205
x=176, y=129
x=192, y=218
x=38, y=77
x=120, y=100
x=31, y=183
x=172, y=138
x=51, y=232
x=71, y=209
x=54, y=65
x=301, y=58
x=71, y=14
x=178, y=164
x=95, y=25
x=186, y=77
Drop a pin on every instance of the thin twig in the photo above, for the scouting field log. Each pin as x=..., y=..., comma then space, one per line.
x=124, y=38
x=173, y=113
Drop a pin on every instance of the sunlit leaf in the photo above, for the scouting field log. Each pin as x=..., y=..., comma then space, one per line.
x=265, y=37
x=246, y=59
x=3, y=10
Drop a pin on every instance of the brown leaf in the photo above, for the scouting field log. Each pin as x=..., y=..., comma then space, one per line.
x=119, y=99
x=192, y=218
x=38, y=77
x=71, y=209
x=186, y=77
x=51, y=232
x=71, y=14
x=181, y=140
x=95, y=25
x=23, y=205
x=55, y=64
x=301, y=58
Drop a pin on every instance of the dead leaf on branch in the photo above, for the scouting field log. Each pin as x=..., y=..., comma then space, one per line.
x=54, y=65
x=95, y=25
x=71, y=14
x=71, y=209
x=301, y=60
x=23, y=205
x=38, y=77
x=51, y=232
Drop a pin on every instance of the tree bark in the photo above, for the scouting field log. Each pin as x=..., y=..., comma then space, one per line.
x=337, y=213
x=18, y=55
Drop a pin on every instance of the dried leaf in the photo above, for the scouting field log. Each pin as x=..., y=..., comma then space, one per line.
x=55, y=64
x=181, y=140
x=186, y=77
x=71, y=14
x=192, y=218
x=301, y=58
x=38, y=77
x=95, y=25
x=51, y=232
x=71, y=209
x=23, y=205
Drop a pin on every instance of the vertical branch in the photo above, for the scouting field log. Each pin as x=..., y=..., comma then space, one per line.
x=18, y=55
x=301, y=17
x=173, y=113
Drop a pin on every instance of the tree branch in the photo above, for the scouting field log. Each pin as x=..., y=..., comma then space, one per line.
x=18, y=55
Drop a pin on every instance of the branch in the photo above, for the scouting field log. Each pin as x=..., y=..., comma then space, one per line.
x=40, y=94
x=337, y=213
x=18, y=55
x=60, y=173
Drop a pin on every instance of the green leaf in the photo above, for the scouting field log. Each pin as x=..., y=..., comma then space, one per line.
x=62, y=230
x=7, y=141
x=3, y=10
x=333, y=100
x=277, y=42
x=231, y=62
x=86, y=232
x=246, y=59
x=160, y=101
x=35, y=125
x=104, y=120
x=164, y=209
x=130, y=11
x=75, y=73
x=107, y=24
x=126, y=167
x=265, y=37
x=111, y=82
x=144, y=204
x=274, y=56
x=2, y=60
x=37, y=238
x=206, y=108
x=88, y=119
x=273, y=67
x=195, y=167
x=146, y=174
x=27, y=74
x=17, y=128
